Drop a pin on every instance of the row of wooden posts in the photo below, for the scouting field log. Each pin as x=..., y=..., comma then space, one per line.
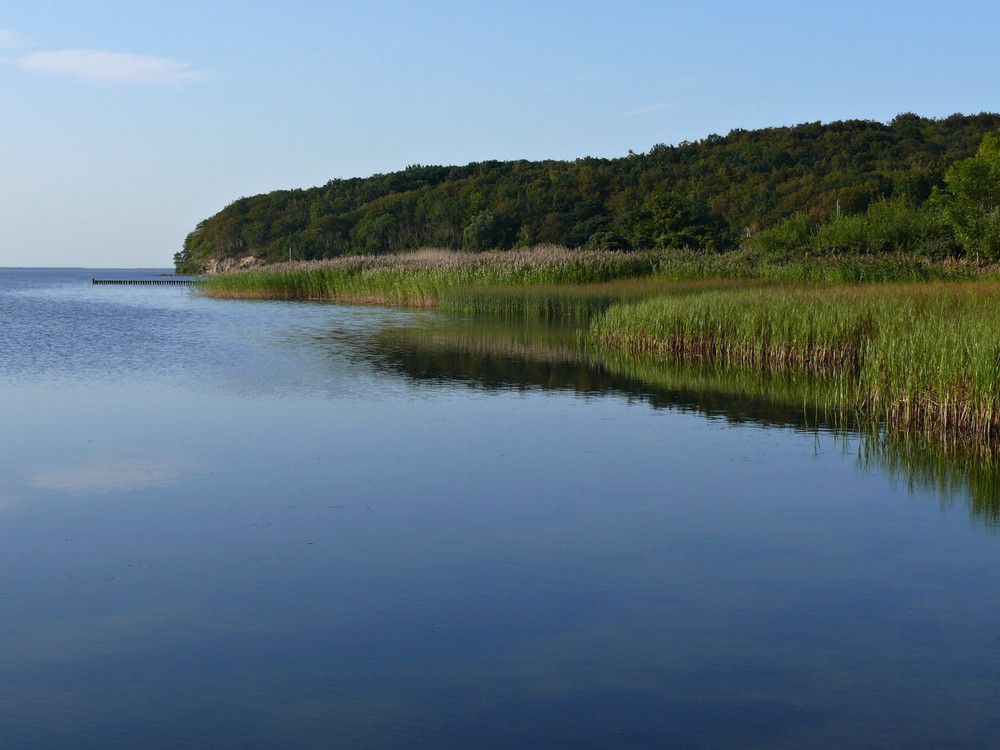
x=142, y=282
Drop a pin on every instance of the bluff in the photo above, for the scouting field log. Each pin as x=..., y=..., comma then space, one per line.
x=713, y=194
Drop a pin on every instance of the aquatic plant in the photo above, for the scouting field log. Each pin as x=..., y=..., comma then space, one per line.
x=576, y=301
x=911, y=357
x=550, y=278
x=421, y=278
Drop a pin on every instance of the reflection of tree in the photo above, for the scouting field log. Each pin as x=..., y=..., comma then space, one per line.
x=510, y=355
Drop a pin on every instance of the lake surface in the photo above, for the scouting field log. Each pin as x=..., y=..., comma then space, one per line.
x=291, y=525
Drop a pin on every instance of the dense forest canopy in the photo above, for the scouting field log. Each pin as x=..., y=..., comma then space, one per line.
x=851, y=185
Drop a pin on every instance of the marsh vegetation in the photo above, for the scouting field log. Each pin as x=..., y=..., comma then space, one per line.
x=906, y=344
x=922, y=358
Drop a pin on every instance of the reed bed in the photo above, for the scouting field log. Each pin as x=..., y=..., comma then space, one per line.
x=830, y=269
x=422, y=278
x=485, y=280
x=570, y=301
x=922, y=358
x=910, y=356
x=880, y=268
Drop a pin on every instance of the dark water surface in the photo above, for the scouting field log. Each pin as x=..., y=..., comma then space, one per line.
x=280, y=525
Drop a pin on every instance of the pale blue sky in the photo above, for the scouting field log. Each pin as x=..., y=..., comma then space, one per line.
x=127, y=122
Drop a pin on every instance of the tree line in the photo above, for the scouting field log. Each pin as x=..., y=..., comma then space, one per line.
x=915, y=184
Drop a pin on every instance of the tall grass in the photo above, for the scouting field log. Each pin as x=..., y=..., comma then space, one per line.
x=911, y=357
x=428, y=277
x=569, y=301
x=422, y=278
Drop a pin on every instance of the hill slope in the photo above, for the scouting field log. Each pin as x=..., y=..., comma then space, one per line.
x=711, y=195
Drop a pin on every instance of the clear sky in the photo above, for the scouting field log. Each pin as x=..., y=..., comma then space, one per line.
x=126, y=122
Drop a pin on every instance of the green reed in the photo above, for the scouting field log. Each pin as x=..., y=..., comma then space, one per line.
x=912, y=357
x=484, y=280
x=570, y=301
x=422, y=278
x=827, y=268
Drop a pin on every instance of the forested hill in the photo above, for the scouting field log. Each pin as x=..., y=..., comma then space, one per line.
x=713, y=194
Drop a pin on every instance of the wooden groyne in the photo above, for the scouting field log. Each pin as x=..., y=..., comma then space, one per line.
x=142, y=282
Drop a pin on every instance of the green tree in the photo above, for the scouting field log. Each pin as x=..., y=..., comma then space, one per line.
x=972, y=201
x=479, y=232
x=667, y=221
x=711, y=194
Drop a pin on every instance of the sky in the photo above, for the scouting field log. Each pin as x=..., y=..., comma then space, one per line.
x=125, y=123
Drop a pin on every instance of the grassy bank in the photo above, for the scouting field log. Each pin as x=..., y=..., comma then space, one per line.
x=922, y=358
x=565, y=281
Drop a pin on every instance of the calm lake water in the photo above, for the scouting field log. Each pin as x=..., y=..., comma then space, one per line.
x=290, y=525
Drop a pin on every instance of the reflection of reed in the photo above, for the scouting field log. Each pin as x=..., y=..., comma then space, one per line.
x=523, y=354
x=782, y=399
x=931, y=466
x=948, y=468
x=537, y=354
x=493, y=355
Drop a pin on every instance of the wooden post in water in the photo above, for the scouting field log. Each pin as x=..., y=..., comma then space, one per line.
x=142, y=282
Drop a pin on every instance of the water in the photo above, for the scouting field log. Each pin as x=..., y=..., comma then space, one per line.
x=260, y=525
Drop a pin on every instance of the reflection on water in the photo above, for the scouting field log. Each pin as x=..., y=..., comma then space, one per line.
x=262, y=525
x=498, y=354
x=929, y=467
x=494, y=354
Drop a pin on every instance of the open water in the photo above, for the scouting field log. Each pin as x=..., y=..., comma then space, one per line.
x=287, y=525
